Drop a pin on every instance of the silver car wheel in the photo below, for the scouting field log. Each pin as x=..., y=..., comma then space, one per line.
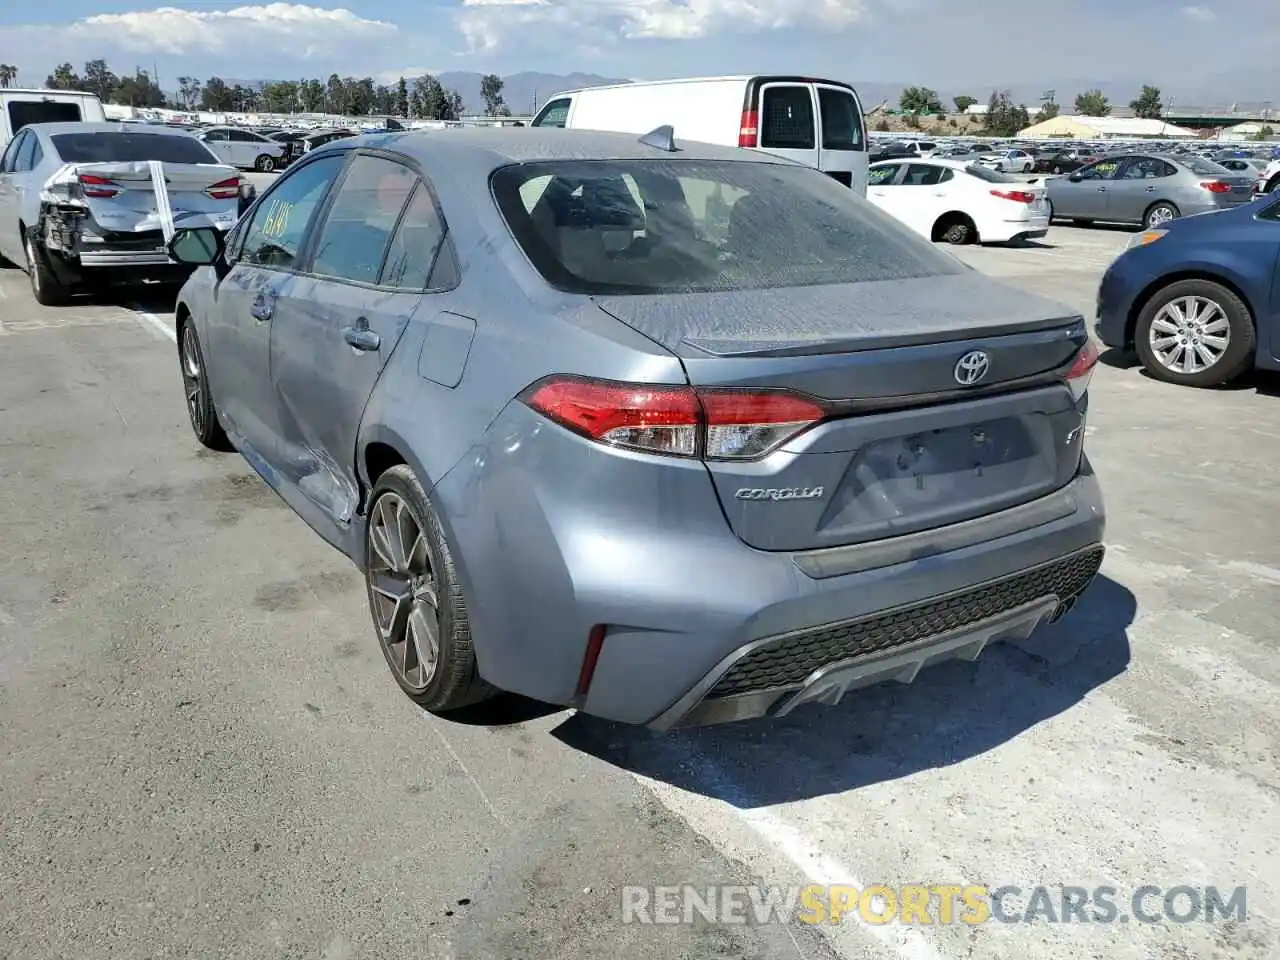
x=1161, y=214
x=1190, y=334
x=404, y=591
x=192, y=376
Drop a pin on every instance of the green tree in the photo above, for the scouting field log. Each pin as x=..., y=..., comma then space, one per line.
x=919, y=100
x=1092, y=103
x=335, y=95
x=188, y=92
x=312, y=96
x=216, y=96
x=99, y=80
x=964, y=102
x=1148, y=105
x=400, y=104
x=64, y=77
x=1004, y=117
x=1266, y=132
x=138, y=90
x=1048, y=110
x=491, y=93
x=8, y=75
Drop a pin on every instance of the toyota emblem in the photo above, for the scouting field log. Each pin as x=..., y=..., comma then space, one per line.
x=972, y=367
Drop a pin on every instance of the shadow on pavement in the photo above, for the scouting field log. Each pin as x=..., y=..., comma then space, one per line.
x=952, y=712
x=1119, y=358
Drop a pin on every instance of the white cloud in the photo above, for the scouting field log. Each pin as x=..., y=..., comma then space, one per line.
x=491, y=24
x=1202, y=14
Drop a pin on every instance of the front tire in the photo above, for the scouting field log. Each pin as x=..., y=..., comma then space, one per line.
x=48, y=290
x=195, y=386
x=1026, y=168
x=415, y=598
x=1195, y=333
x=955, y=229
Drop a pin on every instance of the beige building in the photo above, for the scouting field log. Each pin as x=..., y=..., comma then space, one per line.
x=1102, y=128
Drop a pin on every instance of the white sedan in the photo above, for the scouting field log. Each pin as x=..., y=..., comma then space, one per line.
x=1009, y=161
x=958, y=202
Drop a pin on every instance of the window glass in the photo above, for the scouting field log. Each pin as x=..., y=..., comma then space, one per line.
x=1204, y=168
x=363, y=216
x=786, y=121
x=413, y=248
x=218, y=136
x=702, y=226
x=880, y=176
x=841, y=120
x=1102, y=170
x=37, y=152
x=1144, y=168
x=11, y=153
x=130, y=147
x=554, y=114
x=23, y=161
x=23, y=112
x=922, y=175
x=280, y=221
x=947, y=174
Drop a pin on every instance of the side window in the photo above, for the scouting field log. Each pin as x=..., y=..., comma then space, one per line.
x=415, y=244
x=22, y=162
x=1102, y=170
x=882, y=176
x=37, y=153
x=357, y=230
x=786, y=121
x=922, y=175
x=554, y=114
x=217, y=136
x=11, y=154
x=280, y=221
x=947, y=174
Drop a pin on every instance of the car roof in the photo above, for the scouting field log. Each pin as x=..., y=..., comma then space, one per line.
x=925, y=161
x=494, y=147
x=55, y=129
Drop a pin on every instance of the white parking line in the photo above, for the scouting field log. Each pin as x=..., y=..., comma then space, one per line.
x=151, y=320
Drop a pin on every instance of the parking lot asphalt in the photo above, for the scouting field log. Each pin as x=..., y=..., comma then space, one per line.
x=205, y=756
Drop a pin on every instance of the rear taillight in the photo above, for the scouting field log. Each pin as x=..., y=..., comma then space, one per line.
x=1081, y=370
x=749, y=129
x=95, y=186
x=1216, y=186
x=1018, y=196
x=715, y=423
x=228, y=189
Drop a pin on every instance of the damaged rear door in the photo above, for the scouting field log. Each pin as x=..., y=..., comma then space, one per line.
x=337, y=327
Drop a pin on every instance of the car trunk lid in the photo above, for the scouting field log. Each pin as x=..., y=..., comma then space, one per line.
x=121, y=197
x=918, y=433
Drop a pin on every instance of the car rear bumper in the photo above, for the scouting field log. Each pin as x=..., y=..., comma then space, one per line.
x=554, y=539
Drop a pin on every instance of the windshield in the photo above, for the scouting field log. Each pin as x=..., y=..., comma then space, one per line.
x=677, y=226
x=130, y=148
x=989, y=175
x=1205, y=168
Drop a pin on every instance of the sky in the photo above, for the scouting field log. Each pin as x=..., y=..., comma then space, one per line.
x=945, y=44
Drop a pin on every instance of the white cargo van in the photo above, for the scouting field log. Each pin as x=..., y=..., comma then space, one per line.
x=21, y=107
x=817, y=122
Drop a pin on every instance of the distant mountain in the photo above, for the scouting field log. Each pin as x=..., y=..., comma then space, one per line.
x=520, y=91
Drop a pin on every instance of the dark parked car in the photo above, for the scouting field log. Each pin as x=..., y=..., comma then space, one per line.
x=669, y=434
x=1199, y=297
x=1059, y=161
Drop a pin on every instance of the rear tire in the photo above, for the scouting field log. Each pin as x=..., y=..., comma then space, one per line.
x=1233, y=361
x=1159, y=213
x=48, y=290
x=955, y=228
x=1026, y=168
x=415, y=599
x=265, y=163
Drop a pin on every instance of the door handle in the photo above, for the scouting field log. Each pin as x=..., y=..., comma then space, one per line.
x=1151, y=189
x=1102, y=189
x=361, y=338
x=263, y=306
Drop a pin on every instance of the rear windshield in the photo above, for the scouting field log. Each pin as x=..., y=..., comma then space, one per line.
x=989, y=175
x=23, y=112
x=841, y=120
x=678, y=226
x=130, y=147
x=1205, y=168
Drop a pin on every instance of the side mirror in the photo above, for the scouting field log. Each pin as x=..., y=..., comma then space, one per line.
x=197, y=246
x=1075, y=178
x=248, y=194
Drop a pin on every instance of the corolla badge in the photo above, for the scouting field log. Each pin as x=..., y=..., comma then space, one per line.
x=972, y=367
x=779, y=493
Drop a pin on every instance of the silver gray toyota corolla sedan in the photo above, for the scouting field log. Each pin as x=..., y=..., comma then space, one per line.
x=667, y=432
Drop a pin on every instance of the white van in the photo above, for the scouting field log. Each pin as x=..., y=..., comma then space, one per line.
x=817, y=122
x=21, y=107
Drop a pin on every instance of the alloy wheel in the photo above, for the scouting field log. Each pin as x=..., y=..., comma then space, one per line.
x=193, y=377
x=1159, y=215
x=403, y=591
x=1189, y=334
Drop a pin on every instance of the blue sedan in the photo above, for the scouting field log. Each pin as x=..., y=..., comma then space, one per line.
x=1199, y=298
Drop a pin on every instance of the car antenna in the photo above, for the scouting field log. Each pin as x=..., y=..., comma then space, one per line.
x=663, y=138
